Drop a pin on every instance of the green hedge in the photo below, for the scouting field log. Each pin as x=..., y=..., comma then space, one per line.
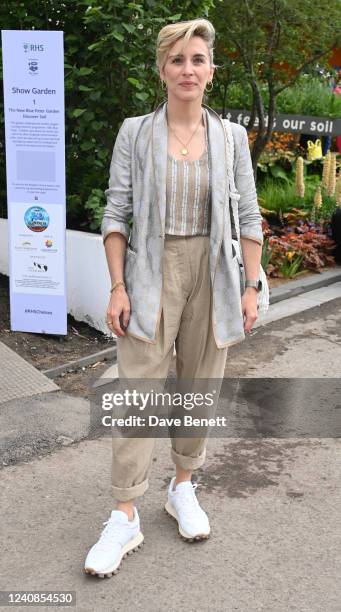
x=110, y=74
x=309, y=96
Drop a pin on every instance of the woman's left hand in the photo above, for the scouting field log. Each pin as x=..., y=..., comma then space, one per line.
x=249, y=308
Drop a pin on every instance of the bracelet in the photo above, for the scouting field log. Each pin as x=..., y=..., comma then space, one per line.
x=116, y=285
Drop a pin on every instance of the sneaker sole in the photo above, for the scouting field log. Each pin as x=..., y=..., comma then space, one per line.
x=185, y=536
x=128, y=549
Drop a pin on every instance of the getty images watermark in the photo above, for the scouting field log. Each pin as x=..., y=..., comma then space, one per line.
x=155, y=408
x=229, y=408
x=142, y=401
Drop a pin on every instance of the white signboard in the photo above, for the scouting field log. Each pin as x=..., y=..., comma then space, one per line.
x=33, y=77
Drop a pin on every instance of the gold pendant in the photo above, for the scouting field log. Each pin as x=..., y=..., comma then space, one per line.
x=184, y=151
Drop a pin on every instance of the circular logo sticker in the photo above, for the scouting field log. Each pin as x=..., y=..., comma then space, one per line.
x=36, y=219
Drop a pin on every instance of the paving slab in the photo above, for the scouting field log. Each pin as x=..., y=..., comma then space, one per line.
x=18, y=378
x=41, y=423
x=294, y=305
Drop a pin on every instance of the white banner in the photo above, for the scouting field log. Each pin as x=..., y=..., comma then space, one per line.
x=33, y=77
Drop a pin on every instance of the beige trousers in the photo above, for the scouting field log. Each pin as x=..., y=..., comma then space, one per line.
x=186, y=320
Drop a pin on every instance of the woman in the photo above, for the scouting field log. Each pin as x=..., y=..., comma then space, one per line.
x=177, y=280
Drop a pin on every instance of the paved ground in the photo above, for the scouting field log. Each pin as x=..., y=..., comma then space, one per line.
x=274, y=507
x=273, y=503
x=18, y=378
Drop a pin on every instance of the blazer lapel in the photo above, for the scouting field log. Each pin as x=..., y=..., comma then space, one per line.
x=159, y=154
x=218, y=166
x=219, y=185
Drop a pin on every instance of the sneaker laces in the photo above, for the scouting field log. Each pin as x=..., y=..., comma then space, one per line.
x=189, y=502
x=110, y=532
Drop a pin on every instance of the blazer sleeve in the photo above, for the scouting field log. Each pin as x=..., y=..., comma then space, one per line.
x=250, y=219
x=119, y=196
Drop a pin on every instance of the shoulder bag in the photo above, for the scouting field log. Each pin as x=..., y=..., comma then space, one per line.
x=263, y=294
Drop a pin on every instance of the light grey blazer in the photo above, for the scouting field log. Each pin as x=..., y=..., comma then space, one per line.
x=137, y=188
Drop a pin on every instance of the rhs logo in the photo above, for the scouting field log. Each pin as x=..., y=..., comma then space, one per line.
x=31, y=47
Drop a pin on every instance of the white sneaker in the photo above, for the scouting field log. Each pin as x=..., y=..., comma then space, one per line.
x=183, y=505
x=118, y=539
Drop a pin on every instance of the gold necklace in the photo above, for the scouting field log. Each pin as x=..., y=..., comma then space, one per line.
x=184, y=150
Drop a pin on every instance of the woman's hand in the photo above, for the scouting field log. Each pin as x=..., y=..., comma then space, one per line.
x=119, y=304
x=249, y=308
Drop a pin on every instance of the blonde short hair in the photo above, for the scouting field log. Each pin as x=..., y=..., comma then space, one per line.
x=169, y=34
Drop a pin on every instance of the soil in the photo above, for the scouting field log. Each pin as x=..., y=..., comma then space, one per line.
x=46, y=351
x=79, y=382
x=275, y=282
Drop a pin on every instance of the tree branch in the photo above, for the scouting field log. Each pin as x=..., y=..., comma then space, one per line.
x=304, y=66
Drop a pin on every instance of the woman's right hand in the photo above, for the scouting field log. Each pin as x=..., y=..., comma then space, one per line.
x=119, y=304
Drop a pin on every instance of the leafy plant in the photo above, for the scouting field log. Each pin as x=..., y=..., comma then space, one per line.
x=95, y=204
x=291, y=265
x=110, y=74
x=280, y=197
x=307, y=247
x=271, y=44
x=266, y=254
x=309, y=95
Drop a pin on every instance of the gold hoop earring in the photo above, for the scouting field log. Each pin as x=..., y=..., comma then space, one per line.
x=209, y=90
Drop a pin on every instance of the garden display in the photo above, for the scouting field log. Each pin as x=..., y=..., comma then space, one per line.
x=300, y=201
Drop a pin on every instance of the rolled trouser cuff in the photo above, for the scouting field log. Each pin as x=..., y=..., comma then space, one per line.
x=186, y=462
x=128, y=493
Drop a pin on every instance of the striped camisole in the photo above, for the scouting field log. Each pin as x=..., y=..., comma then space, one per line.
x=188, y=196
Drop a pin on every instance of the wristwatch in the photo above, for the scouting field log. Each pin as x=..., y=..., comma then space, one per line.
x=257, y=284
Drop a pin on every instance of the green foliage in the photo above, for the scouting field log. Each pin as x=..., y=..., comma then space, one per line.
x=290, y=267
x=110, y=70
x=305, y=247
x=265, y=46
x=278, y=172
x=273, y=40
x=110, y=74
x=281, y=196
x=239, y=95
x=327, y=209
x=274, y=170
x=266, y=253
x=278, y=193
x=276, y=164
x=95, y=204
x=310, y=95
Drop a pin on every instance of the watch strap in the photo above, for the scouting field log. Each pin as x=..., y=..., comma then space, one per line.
x=257, y=284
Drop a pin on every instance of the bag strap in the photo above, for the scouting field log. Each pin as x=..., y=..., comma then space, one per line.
x=234, y=195
x=263, y=296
